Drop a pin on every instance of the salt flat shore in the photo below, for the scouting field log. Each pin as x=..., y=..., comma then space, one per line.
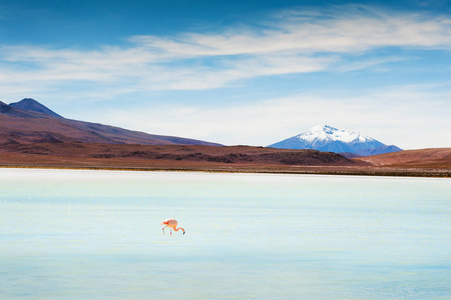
x=262, y=169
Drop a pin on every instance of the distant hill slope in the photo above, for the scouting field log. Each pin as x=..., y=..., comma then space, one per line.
x=327, y=138
x=35, y=123
x=424, y=158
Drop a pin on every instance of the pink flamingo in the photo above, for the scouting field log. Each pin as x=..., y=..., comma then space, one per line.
x=172, y=224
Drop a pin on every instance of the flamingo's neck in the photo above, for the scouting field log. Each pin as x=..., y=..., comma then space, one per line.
x=177, y=229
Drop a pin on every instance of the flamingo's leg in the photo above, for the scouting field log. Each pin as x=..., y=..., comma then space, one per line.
x=170, y=230
x=163, y=230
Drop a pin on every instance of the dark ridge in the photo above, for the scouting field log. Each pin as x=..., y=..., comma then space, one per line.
x=33, y=105
x=350, y=155
x=4, y=108
x=50, y=139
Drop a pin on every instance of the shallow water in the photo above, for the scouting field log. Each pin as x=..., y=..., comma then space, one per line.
x=71, y=234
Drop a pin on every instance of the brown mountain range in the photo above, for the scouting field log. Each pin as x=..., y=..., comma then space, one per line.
x=28, y=122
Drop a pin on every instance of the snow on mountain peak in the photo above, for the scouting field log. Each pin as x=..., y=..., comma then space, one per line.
x=329, y=133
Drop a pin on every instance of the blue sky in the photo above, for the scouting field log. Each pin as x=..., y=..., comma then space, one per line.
x=236, y=72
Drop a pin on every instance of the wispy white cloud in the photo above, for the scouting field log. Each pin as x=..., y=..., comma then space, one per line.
x=289, y=42
x=350, y=29
x=371, y=62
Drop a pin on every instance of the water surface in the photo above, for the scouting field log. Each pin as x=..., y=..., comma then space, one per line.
x=71, y=234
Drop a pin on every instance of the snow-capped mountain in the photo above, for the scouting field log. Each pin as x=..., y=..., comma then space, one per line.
x=330, y=139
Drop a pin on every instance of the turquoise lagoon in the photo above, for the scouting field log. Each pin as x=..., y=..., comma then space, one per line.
x=77, y=234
